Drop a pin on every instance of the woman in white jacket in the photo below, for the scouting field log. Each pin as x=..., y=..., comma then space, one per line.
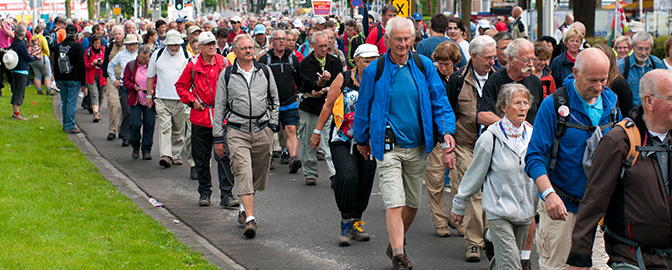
x=498, y=168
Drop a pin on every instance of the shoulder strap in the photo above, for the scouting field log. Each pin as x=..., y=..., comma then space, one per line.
x=634, y=140
x=560, y=98
x=380, y=66
x=418, y=61
x=132, y=65
x=653, y=63
x=626, y=67
x=184, y=50
x=159, y=53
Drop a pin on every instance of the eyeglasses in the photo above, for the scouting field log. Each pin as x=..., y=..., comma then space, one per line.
x=232, y=22
x=528, y=60
x=489, y=58
x=643, y=49
x=246, y=49
x=665, y=98
x=521, y=104
x=401, y=39
x=280, y=39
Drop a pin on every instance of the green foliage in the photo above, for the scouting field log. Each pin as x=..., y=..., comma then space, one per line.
x=592, y=40
x=59, y=212
x=126, y=6
x=659, y=48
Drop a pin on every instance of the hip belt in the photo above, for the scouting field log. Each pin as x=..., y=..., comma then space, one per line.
x=662, y=252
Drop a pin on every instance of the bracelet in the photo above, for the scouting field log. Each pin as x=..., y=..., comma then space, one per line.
x=444, y=145
x=546, y=192
x=148, y=96
x=316, y=131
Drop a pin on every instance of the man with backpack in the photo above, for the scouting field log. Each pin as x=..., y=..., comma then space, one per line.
x=639, y=63
x=248, y=98
x=629, y=185
x=568, y=126
x=70, y=75
x=402, y=105
x=377, y=31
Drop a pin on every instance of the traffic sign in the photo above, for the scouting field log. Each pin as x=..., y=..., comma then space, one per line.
x=356, y=3
x=403, y=7
x=116, y=10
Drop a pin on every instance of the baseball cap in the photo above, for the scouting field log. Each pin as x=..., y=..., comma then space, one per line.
x=87, y=29
x=320, y=20
x=173, y=38
x=367, y=50
x=179, y=20
x=484, y=24
x=259, y=29
x=417, y=16
x=297, y=23
x=636, y=27
x=193, y=29
x=206, y=37
x=236, y=19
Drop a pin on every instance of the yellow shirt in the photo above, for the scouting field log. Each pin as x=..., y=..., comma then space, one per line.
x=231, y=56
x=43, y=44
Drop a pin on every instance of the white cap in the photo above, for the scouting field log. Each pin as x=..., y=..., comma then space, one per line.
x=87, y=30
x=484, y=24
x=297, y=23
x=206, y=37
x=236, y=19
x=367, y=50
x=173, y=38
x=636, y=27
x=320, y=20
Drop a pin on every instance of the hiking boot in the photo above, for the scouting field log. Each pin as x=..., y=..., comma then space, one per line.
x=39, y=92
x=294, y=164
x=311, y=181
x=388, y=252
x=250, y=228
x=241, y=218
x=96, y=117
x=74, y=131
x=229, y=202
x=146, y=156
x=125, y=142
x=136, y=153
x=193, y=175
x=489, y=248
x=347, y=233
x=320, y=155
x=359, y=233
x=400, y=262
x=19, y=117
x=204, y=200
x=442, y=231
x=177, y=162
x=473, y=254
x=284, y=158
x=272, y=167
x=526, y=265
x=165, y=161
x=51, y=92
x=111, y=136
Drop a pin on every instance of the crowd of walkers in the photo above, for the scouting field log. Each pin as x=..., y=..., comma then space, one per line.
x=553, y=142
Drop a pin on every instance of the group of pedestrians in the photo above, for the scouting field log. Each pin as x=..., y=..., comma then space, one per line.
x=527, y=136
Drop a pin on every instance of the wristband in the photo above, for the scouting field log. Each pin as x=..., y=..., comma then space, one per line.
x=444, y=145
x=148, y=96
x=316, y=131
x=546, y=192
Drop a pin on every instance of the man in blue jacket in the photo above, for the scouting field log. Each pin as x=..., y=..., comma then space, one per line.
x=404, y=107
x=639, y=63
x=589, y=103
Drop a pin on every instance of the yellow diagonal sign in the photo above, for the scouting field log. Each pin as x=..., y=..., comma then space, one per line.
x=403, y=7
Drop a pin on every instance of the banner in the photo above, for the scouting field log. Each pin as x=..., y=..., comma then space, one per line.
x=321, y=7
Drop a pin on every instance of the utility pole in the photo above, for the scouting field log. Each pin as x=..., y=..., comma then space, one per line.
x=35, y=19
x=548, y=26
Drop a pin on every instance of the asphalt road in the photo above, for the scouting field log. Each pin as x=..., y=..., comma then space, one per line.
x=298, y=224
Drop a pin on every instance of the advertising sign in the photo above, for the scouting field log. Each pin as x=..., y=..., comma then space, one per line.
x=321, y=7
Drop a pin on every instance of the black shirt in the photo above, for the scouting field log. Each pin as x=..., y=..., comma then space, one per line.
x=499, y=78
x=309, y=68
x=622, y=90
x=286, y=75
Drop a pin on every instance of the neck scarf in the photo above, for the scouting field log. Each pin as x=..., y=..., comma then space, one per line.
x=514, y=133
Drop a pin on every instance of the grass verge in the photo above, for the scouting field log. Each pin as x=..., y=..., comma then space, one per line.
x=59, y=212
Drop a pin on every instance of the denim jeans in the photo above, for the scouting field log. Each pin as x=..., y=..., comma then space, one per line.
x=145, y=118
x=69, y=91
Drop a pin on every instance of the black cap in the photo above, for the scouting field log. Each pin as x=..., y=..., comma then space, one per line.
x=71, y=29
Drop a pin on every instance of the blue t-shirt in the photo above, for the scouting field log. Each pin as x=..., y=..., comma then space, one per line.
x=404, y=117
x=594, y=111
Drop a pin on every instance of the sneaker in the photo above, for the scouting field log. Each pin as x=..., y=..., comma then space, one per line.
x=204, y=200
x=442, y=231
x=51, y=92
x=136, y=153
x=241, y=218
x=359, y=233
x=19, y=117
x=400, y=262
x=125, y=143
x=55, y=88
x=177, y=162
x=146, y=156
x=294, y=164
x=347, y=233
x=311, y=181
x=111, y=136
x=73, y=131
x=473, y=254
x=40, y=92
x=96, y=117
x=193, y=175
x=526, y=265
x=489, y=248
x=165, y=161
x=229, y=202
x=250, y=228
x=284, y=158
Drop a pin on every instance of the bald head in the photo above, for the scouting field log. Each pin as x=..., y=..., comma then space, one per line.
x=654, y=82
x=515, y=13
x=579, y=26
x=591, y=58
x=569, y=19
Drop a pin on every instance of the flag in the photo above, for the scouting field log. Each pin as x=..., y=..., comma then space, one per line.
x=618, y=23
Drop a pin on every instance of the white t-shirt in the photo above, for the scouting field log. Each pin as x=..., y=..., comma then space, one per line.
x=480, y=82
x=247, y=74
x=165, y=72
x=464, y=45
x=667, y=65
x=661, y=136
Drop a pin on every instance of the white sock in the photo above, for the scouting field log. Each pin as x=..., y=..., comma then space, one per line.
x=249, y=218
x=487, y=235
x=242, y=208
x=525, y=255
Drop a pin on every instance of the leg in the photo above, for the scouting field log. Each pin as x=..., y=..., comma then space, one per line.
x=292, y=140
x=553, y=239
x=187, y=139
x=136, y=124
x=240, y=148
x=434, y=181
x=113, y=106
x=324, y=141
x=148, y=123
x=346, y=186
x=507, y=254
x=261, y=153
x=600, y=256
x=226, y=179
x=18, y=91
x=125, y=129
x=179, y=121
x=308, y=155
x=165, y=121
x=201, y=138
x=74, y=87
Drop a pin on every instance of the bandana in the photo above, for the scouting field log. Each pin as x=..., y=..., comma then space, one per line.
x=513, y=133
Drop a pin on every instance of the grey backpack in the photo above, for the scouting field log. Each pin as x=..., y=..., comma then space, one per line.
x=64, y=65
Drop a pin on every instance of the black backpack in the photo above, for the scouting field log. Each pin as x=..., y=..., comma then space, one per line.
x=227, y=76
x=184, y=50
x=626, y=66
x=381, y=65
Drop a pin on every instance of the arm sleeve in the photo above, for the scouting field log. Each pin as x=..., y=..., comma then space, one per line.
x=275, y=113
x=151, y=68
x=221, y=106
x=309, y=75
x=88, y=62
x=489, y=97
x=473, y=178
x=111, y=66
x=453, y=89
x=362, y=118
x=541, y=141
x=106, y=60
x=373, y=35
x=183, y=85
x=79, y=62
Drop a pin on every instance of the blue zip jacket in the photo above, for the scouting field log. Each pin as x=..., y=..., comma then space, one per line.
x=561, y=67
x=636, y=73
x=373, y=104
x=22, y=52
x=568, y=174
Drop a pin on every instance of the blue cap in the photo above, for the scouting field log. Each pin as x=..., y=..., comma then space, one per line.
x=179, y=20
x=417, y=16
x=259, y=29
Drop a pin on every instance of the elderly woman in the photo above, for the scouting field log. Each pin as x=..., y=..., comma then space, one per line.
x=143, y=114
x=668, y=51
x=93, y=60
x=20, y=72
x=623, y=47
x=446, y=56
x=354, y=172
x=562, y=65
x=498, y=168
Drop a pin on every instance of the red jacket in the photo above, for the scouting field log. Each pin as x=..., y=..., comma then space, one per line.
x=205, y=84
x=129, y=83
x=91, y=70
x=373, y=35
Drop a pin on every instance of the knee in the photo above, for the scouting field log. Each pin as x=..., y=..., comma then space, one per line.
x=291, y=131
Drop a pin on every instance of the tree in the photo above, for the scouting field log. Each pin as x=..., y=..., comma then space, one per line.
x=466, y=14
x=584, y=11
x=90, y=6
x=68, y=11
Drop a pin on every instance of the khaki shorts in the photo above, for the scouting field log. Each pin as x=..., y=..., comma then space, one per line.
x=401, y=173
